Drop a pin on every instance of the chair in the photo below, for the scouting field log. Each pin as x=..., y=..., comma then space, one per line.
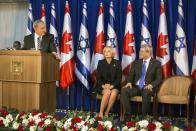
x=138, y=99
x=94, y=95
x=174, y=90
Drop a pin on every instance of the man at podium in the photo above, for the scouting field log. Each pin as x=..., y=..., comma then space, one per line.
x=40, y=40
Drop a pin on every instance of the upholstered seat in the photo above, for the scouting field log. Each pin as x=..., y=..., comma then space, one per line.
x=175, y=90
x=139, y=99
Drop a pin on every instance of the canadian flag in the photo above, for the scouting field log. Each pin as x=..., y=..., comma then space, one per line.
x=67, y=52
x=163, y=54
x=193, y=73
x=99, y=44
x=129, y=54
x=43, y=14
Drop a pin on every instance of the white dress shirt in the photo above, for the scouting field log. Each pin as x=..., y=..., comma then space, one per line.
x=147, y=64
x=35, y=40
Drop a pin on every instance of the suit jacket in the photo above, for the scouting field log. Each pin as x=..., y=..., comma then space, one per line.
x=116, y=73
x=153, y=74
x=47, y=43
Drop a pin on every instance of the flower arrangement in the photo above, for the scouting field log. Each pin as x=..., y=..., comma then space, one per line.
x=147, y=125
x=74, y=121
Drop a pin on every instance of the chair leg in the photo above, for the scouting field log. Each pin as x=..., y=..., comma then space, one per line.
x=122, y=117
x=170, y=111
x=188, y=120
x=155, y=110
x=92, y=106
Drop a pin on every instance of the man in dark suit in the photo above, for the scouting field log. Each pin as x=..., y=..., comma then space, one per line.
x=40, y=40
x=145, y=75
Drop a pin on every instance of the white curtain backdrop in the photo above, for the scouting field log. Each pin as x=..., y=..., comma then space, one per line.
x=13, y=23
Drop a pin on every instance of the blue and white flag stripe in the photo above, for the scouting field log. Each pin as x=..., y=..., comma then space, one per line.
x=180, y=49
x=30, y=21
x=53, y=27
x=82, y=69
x=111, y=34
x=145, y=33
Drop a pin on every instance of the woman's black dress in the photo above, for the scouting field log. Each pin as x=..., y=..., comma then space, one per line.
x=108, y=73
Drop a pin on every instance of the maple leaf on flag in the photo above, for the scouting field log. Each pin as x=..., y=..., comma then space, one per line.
x=162, y=8
x=162, y=40
x=99, y=43
x=66, y=48
x=128, y=49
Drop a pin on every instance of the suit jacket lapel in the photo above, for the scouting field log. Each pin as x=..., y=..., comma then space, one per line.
x=43, y=39
x=149, y=67
x=140, y=67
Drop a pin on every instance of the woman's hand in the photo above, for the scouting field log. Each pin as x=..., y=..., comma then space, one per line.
x=111, y=87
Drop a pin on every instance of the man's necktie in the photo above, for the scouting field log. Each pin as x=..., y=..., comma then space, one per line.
x=39, y=43
x=143, y=74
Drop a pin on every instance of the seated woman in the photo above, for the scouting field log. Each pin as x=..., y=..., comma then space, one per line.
x=108, y=78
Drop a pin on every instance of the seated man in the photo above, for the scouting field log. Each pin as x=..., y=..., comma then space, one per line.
x=145, y=75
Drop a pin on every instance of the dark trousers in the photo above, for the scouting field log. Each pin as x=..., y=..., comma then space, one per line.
x=127, y=93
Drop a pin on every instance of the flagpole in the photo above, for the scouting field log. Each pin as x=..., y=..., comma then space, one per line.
x=82, y=105
x=68, y=106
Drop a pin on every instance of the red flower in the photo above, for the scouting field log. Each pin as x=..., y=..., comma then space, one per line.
x=166, y=125
x=21, y=114
x=112, y=129
x=76, y=120
x=100, y=127
x=130, y=124
x=4, y=113
x=41, y=124
x=20, y=128
x=1, y=123
x=31, y=123
x=189, y=129
x=34, y=113
x=72, y=126
x=43, y=115
x=151, y=126
x=48, y=128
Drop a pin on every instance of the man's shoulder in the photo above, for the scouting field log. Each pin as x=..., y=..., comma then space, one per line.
x=137, y=61
x=155, y=61
x=29, y=36
x=48, y=35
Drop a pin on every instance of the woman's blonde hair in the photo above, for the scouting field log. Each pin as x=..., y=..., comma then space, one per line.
x=111, y=49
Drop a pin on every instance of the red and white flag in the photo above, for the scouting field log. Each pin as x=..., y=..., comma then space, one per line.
x=67, y=52
x=163, y=54
x=193, y=73
x=129, y=54
x=43, y=14
x=99, y=44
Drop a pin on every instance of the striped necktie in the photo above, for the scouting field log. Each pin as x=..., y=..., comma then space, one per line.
x=39, y=43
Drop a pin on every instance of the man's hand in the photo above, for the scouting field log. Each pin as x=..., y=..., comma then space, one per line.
x=148, y=87
x=56, y=56
x=128, y=85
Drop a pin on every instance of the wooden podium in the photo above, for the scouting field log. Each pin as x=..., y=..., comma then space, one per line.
x=28, y=80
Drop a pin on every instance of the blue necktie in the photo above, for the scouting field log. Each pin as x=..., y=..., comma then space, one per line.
x=143, y=74
x=39, y=43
